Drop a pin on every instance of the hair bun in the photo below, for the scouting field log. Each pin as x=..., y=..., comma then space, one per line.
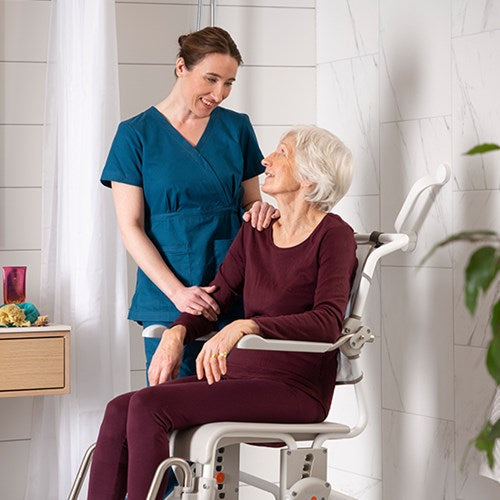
x=181, y=40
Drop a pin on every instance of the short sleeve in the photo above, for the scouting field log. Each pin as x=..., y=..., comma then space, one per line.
x=124, y=162
x=252, y=155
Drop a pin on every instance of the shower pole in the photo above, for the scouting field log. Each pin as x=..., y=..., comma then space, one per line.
x=212, y=12
x=198, y=14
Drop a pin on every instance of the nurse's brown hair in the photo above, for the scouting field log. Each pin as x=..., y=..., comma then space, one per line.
x=193, y=47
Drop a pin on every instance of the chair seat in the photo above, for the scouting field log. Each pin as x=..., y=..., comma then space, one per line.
x=198, y=444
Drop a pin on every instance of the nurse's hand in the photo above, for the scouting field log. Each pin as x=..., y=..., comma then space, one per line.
x=197, y=300
x=211, y=362
x=261, y=214
x=167, y=358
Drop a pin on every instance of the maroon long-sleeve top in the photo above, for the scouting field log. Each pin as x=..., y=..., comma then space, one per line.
x=295, y=293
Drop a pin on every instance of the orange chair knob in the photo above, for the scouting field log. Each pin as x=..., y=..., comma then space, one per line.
x=219, y=477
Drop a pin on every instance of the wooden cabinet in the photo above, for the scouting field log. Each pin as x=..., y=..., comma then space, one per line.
x=34, y=361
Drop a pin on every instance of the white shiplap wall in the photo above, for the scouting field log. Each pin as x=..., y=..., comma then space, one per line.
x=276, y=87
x=23, y=52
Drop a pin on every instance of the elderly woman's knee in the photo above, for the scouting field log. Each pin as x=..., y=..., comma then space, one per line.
x=117, y=408
x=144, y=401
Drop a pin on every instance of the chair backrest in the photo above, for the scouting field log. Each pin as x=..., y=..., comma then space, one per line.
x=371, y=247
x=345, y=373
x=363, y=251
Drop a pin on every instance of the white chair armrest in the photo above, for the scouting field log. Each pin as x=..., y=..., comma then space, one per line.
x=256, y=342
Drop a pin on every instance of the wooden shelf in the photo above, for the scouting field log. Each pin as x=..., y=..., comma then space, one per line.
x=34, y=361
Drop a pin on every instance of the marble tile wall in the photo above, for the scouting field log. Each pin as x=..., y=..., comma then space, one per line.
x=409, y=85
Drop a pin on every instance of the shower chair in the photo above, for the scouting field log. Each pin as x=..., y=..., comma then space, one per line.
x=205, y=458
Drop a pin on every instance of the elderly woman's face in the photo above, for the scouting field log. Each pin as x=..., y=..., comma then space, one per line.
x=281, y=170
x=208, y=83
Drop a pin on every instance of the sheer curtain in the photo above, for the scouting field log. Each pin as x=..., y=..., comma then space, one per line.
x=83, y=271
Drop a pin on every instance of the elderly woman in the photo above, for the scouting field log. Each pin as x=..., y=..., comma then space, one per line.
x=295, y=279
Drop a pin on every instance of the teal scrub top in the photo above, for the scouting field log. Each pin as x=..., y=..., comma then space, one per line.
x=192, y=195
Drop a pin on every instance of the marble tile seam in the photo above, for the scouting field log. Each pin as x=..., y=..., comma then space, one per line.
x=475, y=33
x=474, y=190
x=482, y=348
x=450, y=421
x=374, y=195
x=404, y=266
x=449, y=115
x=375, y=478
x=371, y=54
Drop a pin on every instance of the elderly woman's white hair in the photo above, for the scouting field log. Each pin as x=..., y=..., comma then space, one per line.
x=323, y=160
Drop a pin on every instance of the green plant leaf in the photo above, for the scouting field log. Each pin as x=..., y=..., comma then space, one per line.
x=495, y=320
x=485, y=442
x=479, y=274
x=470, y=236
x=493, y=359
x=482, y=148
x=495, y=431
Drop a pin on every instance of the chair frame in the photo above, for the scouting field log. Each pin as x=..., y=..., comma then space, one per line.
x=202, y=445
x=213, y=448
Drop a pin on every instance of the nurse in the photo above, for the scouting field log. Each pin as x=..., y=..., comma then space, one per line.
x=183, y=175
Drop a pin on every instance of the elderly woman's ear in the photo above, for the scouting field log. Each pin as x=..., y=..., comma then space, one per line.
x=307, y=184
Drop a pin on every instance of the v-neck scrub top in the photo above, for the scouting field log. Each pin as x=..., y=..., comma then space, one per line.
x=192, y=195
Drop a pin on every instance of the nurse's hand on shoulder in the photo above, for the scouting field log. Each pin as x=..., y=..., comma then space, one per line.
x=261, y=214
x=211, y=362
x=167, y=358
x=196, y=300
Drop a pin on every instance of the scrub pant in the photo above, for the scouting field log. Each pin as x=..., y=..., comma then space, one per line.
x=134, y=435
x=187, y=369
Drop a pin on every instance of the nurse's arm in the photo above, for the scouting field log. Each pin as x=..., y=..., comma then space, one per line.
x=258, y=212
x=129, y=207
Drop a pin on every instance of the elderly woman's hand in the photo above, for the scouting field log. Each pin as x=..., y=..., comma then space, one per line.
x=211, y=362
x=261, y=214
x=167, y=358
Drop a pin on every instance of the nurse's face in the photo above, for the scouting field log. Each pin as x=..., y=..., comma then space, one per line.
x=281, y=171
x=208, y=83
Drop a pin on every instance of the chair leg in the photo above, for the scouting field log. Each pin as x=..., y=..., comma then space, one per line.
x=82, y=472
x=160, y=473
x=227, y=472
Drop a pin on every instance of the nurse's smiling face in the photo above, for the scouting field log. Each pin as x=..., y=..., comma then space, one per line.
x=208, y=83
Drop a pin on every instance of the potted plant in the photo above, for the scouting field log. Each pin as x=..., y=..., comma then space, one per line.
x=480, y=274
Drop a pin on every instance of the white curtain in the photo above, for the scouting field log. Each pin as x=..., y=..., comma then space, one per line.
x=83, y=271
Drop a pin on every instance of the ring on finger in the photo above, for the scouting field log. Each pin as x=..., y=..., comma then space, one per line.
x=214, y=355
x=222, y=354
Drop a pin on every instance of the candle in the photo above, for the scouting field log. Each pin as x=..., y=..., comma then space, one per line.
x=14, y=284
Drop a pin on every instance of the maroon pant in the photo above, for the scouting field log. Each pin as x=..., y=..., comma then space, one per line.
x=133, y=439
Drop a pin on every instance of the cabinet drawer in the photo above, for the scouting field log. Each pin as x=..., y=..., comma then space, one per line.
x=32, y=363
